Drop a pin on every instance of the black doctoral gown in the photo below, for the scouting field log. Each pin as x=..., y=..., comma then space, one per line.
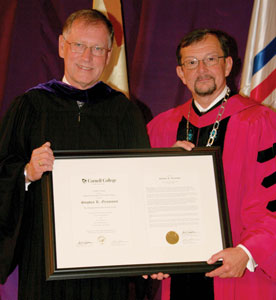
x=106, y=120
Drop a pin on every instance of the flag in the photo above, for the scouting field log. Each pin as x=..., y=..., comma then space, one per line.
x=115, y=74
x=259, y=71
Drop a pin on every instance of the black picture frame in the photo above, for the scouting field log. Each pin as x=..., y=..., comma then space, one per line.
x=133, y=159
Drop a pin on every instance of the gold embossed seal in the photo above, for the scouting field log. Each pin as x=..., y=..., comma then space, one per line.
x=172, y=237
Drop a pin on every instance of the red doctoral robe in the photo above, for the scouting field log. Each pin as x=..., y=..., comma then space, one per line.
x=249, y=162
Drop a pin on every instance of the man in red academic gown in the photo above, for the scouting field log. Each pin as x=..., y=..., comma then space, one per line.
x=246, y=133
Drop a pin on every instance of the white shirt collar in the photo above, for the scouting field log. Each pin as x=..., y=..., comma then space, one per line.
x=64, y=80
x=220, y=96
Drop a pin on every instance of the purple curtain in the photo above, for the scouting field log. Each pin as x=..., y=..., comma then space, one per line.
x=7, y=14
x=34, y=53
x=153, y=28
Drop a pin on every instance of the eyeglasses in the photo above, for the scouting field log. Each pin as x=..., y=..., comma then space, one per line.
x=80, y=48
x=209, y=60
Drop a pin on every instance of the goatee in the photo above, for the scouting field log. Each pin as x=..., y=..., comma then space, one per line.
x=207, y=92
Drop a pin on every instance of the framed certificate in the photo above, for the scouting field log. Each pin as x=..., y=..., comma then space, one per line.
x=134, y=212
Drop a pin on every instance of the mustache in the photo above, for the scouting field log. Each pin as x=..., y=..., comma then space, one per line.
x=203, y=77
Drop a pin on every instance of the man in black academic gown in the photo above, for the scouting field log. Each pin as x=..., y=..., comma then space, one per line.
x=78, y=112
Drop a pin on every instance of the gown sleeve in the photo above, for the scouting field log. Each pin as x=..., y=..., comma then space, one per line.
x=250, y=169
x=14, y=130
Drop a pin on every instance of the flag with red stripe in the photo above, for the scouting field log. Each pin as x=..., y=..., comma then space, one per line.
x=259, y=71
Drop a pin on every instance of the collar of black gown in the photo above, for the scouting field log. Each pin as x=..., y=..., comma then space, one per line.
x=99, y=91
